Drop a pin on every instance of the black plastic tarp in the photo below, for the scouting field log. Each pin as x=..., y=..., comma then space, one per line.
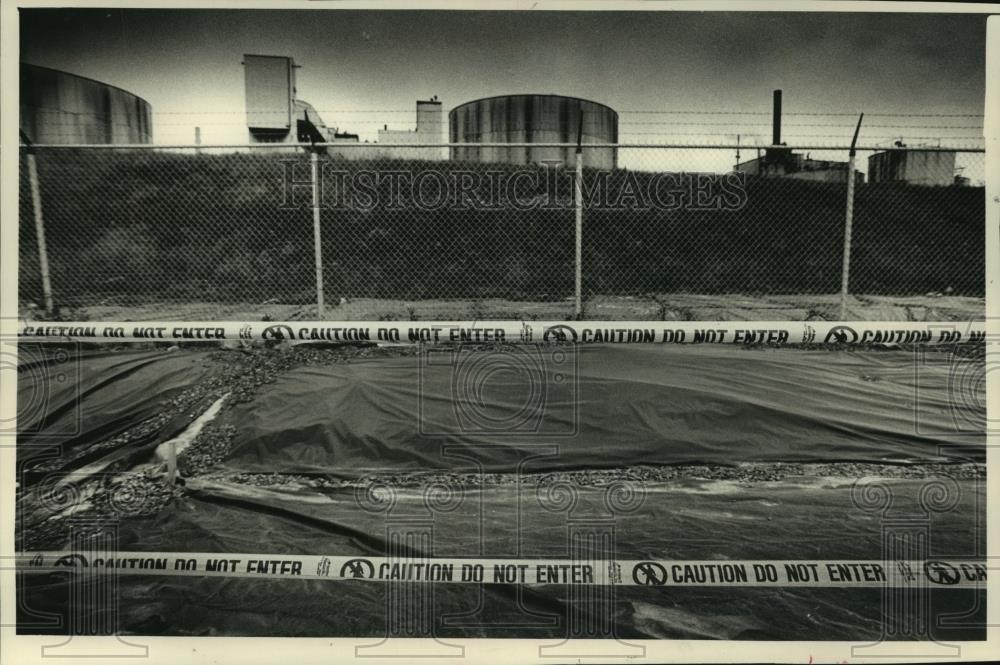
x=815, y=518
x=598, y=407
x=612, y=407
x=606, y=407
x=74, y=404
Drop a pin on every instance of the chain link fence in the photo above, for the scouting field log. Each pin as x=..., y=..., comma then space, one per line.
x=432, y=232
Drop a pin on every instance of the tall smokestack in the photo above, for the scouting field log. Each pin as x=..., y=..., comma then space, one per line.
x=776, y=136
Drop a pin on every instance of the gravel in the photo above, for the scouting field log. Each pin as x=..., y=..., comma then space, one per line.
x=749, y=473
x=118, y=492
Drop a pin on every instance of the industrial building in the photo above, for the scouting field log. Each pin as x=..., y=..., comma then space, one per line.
x=392, y=143
x=430, y=129
x=274, y=112
x=915, y=167
x=780, y=162
x=783, y=163
x=59, y=107
x=533, y=119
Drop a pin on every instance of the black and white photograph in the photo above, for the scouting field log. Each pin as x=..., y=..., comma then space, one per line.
x=531, y=332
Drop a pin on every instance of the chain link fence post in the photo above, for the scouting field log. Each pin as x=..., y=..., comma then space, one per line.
x=317, y=235
x=578, y=204
x=848, y=223
x=845, y=272
x=43, y=254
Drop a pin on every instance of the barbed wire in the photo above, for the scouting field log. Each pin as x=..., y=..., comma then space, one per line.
x=815, y=113
x=799, y=124
x=807, y=136
x=765, y=139
x=626, y=111
x=736, y=127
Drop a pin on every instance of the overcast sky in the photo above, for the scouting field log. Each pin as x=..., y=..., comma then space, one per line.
x=362, y=69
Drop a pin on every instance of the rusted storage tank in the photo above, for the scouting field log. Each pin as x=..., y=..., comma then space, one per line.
x=59, y=107
x=533, y=119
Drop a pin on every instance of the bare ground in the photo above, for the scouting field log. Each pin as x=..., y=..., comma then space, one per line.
x=652, y=307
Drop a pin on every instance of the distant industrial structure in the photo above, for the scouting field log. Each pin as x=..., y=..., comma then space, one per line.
x=92, y=112
x=916, y=167
x=533, y=119
x=392, y=142
x=783, y=163
x=275, y=114
x=430, y=129
x=62, y=108
x=780, y=162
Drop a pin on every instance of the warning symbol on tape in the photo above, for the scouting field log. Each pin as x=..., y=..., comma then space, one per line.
x=940, y=572
x=649, y=573
x=72, y=560
x=949, y=574
x=359, y=568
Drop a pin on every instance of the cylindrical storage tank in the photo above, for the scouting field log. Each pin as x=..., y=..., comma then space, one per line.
x=58, y=107
x=533, y=119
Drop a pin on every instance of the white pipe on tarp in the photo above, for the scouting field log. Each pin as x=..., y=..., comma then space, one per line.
x=166, y=453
